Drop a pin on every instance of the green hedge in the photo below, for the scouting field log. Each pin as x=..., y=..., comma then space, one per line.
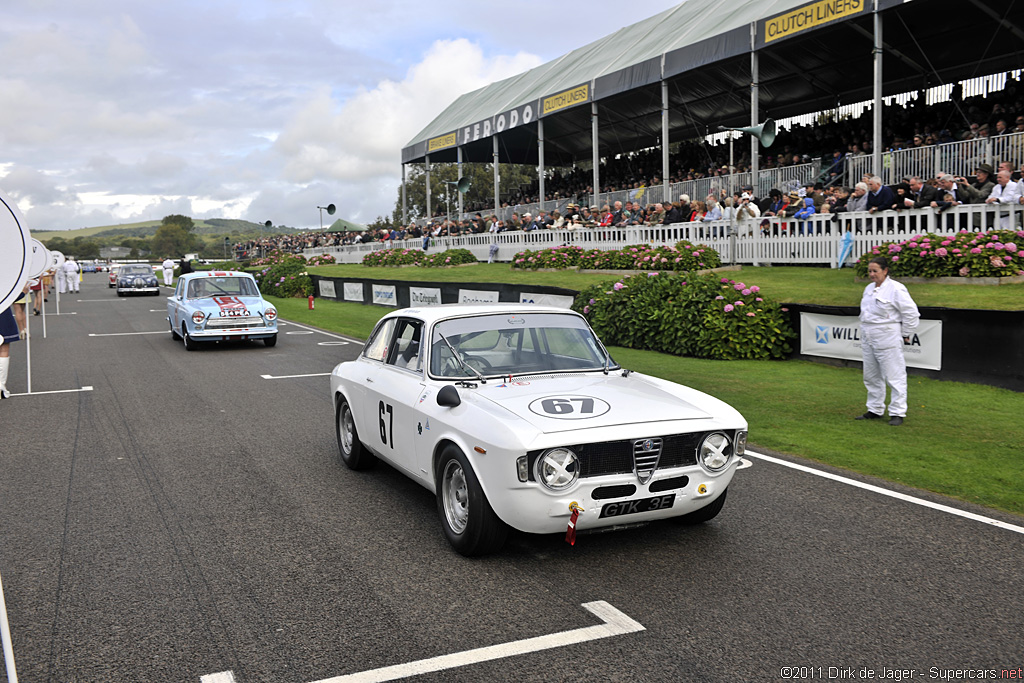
x=966, y=254
x=702, y=316
x=684, y=256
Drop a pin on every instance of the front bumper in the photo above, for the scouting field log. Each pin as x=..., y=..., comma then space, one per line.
x=138, y=290
x=529, y=507
x=234, y=334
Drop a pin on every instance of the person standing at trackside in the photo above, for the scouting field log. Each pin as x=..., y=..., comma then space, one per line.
x=888, y=318
x=168, y=265
x=12, y=329
x=71, y=275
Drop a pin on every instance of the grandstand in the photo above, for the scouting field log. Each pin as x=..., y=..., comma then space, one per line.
x=675, y=77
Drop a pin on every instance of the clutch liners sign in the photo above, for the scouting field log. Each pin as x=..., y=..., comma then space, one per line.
x=810, y=16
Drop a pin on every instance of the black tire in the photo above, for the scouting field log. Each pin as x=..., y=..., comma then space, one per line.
x=706, y=513
x=270, y=341
x=467, y=519
x=174, y=332
x=351, y=451
x=190, y=343
x=120, y=293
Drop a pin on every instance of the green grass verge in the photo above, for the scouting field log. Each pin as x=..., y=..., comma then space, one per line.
x=788, y=284
x=961, y=440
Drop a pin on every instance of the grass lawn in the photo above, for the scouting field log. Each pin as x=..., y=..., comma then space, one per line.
x=787, y=284
x=960, y=440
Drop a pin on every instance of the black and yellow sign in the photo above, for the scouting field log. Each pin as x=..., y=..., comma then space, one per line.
x=576, y=95
x=441, y=142
x=810, y=16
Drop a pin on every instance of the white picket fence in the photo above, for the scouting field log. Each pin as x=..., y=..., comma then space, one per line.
x=815, y=241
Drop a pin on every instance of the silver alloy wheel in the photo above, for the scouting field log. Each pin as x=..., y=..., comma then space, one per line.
x=346, y=429
x=455, y=496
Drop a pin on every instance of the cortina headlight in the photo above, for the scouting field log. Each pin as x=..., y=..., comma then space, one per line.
x=715, y=451
x=557, y=468
x=198, y=317
x=270, y=315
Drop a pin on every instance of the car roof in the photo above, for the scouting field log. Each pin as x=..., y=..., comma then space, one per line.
x=431, y=314
x=215, y=273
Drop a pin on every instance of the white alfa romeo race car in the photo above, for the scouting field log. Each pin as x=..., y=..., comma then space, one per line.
x=515, y=415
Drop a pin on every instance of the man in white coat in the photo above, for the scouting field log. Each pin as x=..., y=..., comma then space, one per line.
x=888, y=318
x=168, y=266
x=71, y=274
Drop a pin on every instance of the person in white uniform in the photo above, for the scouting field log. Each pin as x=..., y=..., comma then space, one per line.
x=168, y=265
x=888, y=318
x=71, y=275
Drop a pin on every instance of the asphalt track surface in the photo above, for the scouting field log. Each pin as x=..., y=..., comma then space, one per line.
x=187, y=517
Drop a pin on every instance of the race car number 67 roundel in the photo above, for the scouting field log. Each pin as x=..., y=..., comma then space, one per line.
x=15, y=252
x=570, y=407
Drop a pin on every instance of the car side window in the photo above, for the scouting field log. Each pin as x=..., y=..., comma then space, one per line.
x=406, y=351
x=377, y=345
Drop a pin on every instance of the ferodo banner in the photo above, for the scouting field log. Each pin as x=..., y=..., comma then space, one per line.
x=838, y=336
x=807, y=17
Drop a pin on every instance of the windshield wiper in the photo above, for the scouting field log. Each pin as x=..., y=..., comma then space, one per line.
x=458, y=357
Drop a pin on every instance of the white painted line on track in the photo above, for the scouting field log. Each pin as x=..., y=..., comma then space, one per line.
x=125, y=334
x=892, y=494
x=315, y=374
x=332, y=343
x=221, y=677
x=615, y=624
x=68, y=313
x=300, y=332
x=108, y=300
x=58, y=391
x=329, y=334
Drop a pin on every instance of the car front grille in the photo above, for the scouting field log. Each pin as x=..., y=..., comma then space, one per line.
x=617, y=457
x=234, y=323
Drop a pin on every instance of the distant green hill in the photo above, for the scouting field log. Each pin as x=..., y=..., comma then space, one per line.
x=210, y=226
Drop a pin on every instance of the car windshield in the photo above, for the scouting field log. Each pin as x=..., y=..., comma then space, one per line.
x=221, y=286
x=515, y=344
x=135, y=270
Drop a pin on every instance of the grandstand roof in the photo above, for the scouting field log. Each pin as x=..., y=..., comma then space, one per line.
x=811, y=56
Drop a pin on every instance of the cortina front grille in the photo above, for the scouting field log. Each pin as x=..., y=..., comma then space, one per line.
x=234, y=323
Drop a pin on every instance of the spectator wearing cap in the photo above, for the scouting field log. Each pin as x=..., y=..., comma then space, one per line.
x=747, y=209
x=984, y=182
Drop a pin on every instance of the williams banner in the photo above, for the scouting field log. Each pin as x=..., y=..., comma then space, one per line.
x=836, y=336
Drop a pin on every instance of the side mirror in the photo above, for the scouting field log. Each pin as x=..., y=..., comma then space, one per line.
x=448, y=397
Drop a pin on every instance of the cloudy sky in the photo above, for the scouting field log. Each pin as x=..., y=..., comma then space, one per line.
x=115, y=111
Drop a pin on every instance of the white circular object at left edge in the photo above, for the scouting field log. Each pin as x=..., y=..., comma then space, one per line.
x=15, y=252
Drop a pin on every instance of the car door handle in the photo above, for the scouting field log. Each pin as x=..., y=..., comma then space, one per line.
x=369, y=381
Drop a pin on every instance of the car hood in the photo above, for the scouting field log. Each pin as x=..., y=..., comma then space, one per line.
x=569, y=402
x=217, y=304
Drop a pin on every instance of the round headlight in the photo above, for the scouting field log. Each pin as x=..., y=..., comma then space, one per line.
x=198, y=317
x=715, y=451
x=270, y=315
x=557, y=468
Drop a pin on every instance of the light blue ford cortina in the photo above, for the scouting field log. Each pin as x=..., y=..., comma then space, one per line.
x=220, y=306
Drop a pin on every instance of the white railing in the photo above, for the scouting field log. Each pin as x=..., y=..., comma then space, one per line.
x=956, y=158
x=812, y=241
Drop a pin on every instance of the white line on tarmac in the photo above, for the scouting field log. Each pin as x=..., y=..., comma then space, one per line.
x=109, y=300
x=59, y=391
x=124, y=334
x=69, y=313
x=222, y=677
x=316, y=374
x=615, y=624
x=892, y=494
x=329, y=334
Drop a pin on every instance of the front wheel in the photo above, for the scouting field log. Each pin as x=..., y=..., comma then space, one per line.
x=190, y=343
x=350, y=449
x=270, y=341
x=468, y=521
x=706, y=513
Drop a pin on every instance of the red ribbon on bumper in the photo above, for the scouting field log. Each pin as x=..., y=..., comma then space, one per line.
x=570, y=533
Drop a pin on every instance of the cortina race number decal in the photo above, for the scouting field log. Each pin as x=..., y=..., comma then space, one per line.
x=569, y=407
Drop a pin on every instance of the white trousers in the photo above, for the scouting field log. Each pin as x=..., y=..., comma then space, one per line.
x=168, y=276
x=61, y=281
x=72, y=279
x=883, y=367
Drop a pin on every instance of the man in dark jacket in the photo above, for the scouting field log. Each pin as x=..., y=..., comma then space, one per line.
x=879, y=196
x=921, y=194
